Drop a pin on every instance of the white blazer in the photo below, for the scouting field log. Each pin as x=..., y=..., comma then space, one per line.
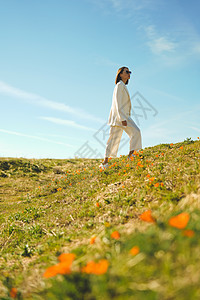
x=121, y=105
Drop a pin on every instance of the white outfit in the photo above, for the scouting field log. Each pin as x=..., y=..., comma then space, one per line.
x=121, y=111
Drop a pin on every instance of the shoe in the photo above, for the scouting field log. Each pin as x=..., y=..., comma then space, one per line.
x=104, y=166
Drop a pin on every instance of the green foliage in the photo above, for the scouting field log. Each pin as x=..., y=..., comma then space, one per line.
x=188, y=141
x=73, y=286
x=27, y=251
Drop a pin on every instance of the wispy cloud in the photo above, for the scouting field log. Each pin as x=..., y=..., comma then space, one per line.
x=159, y=44
x=118, y=6
x=41, y=101
x=34, y=137
x=74, y=138
x=195, y=128
x=134, y=5
x=66, y=123
x=173, y=127
x=173, y=47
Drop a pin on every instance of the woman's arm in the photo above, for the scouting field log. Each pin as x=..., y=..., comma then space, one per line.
x=120, y=104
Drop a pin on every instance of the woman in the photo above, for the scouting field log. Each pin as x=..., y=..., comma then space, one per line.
x=120, y=119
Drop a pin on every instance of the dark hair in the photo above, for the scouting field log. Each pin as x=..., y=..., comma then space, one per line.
x=118, y=77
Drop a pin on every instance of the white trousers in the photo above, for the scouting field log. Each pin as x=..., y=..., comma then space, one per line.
x=115, y=135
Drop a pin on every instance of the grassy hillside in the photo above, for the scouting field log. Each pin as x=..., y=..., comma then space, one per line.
x=51, y=207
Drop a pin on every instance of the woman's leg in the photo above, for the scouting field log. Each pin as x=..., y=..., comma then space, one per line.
x=135, y=136
x=112, y=146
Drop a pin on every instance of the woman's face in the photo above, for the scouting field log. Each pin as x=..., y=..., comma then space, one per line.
x=125, y=75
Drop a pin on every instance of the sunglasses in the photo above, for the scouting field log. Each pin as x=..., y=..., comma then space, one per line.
x=128, y=72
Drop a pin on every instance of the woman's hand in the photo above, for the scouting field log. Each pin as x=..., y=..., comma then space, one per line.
x=124, y=123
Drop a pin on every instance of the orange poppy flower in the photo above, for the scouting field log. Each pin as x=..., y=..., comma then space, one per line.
x=156, y=184
x=67, y=257
x=181, y=147
x=156, y=155
x=97, y=204
x=151, y=179
x=115, y=235
x=64, y=267
x=13, y=293
x=148, y=175
x=92, y=240
x=52, y=271
x=135, y=250
x=89, y=268
x=147, y=217
x=180, y=221
x=96, y=268
x=171, y=144
x=188, y=232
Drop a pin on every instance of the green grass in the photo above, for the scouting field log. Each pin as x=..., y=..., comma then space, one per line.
x=48, y=207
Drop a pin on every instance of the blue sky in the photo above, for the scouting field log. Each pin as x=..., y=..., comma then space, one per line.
x=59, y=60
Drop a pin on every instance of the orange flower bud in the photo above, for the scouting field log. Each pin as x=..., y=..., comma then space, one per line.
x=13, y=293
x=188, y=233
x=135, y=250
x=115, y=235
x=147, y=217
x=92, y=240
